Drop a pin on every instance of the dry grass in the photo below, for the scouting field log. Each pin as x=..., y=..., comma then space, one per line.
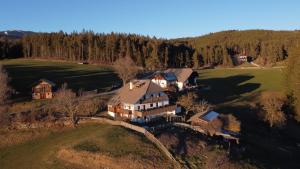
x=12, y=137
x=116, y=148
x=97, y=160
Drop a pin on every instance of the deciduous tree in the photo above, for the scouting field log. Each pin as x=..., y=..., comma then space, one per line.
x=5, y=91
x=292, y=81
x=272, y=113
x=66, y=101
x=126, y=69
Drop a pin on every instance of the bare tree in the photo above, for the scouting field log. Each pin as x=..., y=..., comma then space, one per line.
x=202, y=106
x=190, y=104
x=91, y=106
x=126, y=68
x=5, y=92
x=187, y=101
x=232, y=123
x=4, y=87
x=67, y=102
x=272, y=113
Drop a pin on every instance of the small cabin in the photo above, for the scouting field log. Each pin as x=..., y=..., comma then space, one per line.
x=209, y=121
x=43, y=89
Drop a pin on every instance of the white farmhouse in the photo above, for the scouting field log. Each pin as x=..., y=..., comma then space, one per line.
x=182, y=78
x=140, y=101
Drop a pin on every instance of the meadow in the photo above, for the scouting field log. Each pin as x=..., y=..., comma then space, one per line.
x=234, y=91
x=24, y=73
x=233, y=85
x=237, y=91
x=58, y=150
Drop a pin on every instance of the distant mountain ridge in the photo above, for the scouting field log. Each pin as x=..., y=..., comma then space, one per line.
x=15, y=34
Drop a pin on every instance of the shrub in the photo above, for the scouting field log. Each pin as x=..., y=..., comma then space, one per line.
x=272, y=104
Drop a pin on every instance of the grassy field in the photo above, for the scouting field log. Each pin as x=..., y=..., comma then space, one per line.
x=237, y=84
x=106, y=141
x=236, y=91
x=24, y=73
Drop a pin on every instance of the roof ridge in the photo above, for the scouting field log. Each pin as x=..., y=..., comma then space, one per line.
x=148, y=87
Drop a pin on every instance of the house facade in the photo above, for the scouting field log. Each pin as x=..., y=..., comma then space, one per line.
x=140, y=101
x=43, y=89
x=182, y=78
x=164, y=80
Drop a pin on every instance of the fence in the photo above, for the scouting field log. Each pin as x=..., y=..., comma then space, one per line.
x=147, y=134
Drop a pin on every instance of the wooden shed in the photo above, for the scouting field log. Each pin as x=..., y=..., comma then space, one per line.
x=43, y=89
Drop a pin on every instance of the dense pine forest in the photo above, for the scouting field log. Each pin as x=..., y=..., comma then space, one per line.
x=10, y=48
x=266, y=47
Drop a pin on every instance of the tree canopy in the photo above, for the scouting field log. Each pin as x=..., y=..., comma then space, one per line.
x=221, y=48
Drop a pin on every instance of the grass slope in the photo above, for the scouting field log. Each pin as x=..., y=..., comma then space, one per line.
x=24, y=73
x=112, y=140
x=237, y=84
x=236, y=91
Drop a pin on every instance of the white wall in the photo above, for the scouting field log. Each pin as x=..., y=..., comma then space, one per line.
x=161, y=83
x=180, y=86
x=112, y=114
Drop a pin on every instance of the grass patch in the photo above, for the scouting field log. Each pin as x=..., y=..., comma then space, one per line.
x=89, y=146
x=24, y=73
x=229, y=85
x=41, y=152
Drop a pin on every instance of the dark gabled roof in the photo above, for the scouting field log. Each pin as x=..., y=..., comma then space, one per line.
x=182, y=74
x=131, y=96
x=46, y=81
x=169, y=76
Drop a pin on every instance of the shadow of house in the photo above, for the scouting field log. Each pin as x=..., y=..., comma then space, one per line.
x=227, y=89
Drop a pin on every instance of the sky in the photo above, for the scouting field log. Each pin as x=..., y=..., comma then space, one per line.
x=160, y=18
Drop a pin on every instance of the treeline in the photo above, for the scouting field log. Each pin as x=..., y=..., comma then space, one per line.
x=292, y=82
x=107, y=48
x=10, y=48
x=265, y=47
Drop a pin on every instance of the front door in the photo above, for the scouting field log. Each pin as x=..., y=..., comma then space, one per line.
x=43, y=92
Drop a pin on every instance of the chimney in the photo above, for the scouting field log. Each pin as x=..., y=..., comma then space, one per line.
x=130, y=85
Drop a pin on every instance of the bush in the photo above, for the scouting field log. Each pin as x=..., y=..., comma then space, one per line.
x=272, y=108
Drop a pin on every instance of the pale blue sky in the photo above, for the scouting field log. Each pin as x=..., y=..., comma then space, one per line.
x=161, y=18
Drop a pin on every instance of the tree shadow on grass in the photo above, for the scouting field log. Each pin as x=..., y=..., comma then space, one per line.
x=227, y=88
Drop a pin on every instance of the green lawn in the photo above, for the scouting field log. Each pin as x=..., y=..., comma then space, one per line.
x=111, y=140
x=236, y=91
x=236, y=84
x=24, y=73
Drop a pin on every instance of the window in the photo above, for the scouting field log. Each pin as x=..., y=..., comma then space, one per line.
x=151, y=105
x=138, y=107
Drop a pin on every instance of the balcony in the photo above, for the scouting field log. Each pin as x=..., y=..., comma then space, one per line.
x=155, y=99
x=155, y=111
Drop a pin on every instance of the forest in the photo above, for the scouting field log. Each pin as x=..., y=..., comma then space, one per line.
x=221, y=48
x=10, y=48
